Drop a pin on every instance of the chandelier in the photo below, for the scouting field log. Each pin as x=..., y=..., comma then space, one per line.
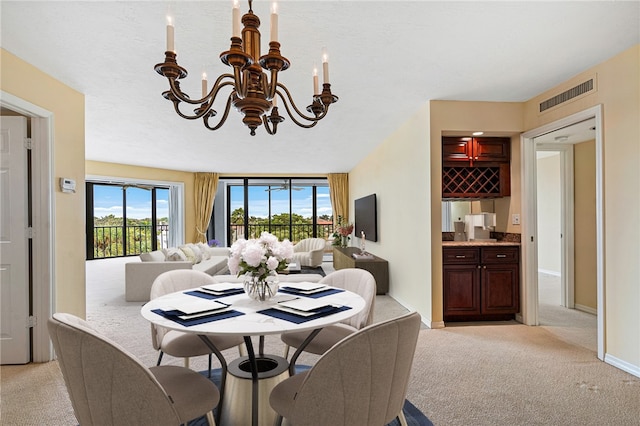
x=254, y=82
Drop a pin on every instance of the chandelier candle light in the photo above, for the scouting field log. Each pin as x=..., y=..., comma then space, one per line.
x=253, y=91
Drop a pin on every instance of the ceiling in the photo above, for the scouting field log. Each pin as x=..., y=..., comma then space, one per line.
x=387, y=59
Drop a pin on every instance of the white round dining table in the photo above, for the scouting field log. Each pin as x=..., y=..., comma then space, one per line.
x=250, y=322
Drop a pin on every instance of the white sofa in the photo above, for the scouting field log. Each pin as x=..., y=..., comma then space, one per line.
x=139, y=276
x=309, y=252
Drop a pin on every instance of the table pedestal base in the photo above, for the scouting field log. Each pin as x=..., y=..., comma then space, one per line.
x=236, y=407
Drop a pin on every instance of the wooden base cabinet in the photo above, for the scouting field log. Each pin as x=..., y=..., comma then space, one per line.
x=481, y=283
x=379, y=268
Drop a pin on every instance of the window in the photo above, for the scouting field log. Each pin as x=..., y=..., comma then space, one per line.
x=125, y=219
x=286, y=207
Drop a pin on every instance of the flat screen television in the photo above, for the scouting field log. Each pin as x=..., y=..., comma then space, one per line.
x=366, y=217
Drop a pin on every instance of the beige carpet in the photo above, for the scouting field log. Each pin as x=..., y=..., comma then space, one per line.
x=467, y=374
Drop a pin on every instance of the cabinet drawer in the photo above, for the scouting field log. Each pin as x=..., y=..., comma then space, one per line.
x=500, y=255
x=457, y=256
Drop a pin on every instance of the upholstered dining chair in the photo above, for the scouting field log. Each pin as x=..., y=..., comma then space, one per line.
x=186, y=345
x=108, y=386
x=309, y=252
x=358, y=281
x=362, y=380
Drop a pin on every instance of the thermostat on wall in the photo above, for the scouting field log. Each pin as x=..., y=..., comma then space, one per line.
x=68, y=185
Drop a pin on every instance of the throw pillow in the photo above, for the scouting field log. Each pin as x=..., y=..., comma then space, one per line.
x=173, y=254
x=188, y=253
x=196, y=252
x=205, y=251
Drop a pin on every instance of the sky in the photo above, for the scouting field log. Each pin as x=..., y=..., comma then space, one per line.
x=107, y=199
x=301, y=201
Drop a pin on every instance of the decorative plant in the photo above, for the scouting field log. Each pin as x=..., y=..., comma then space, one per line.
x=342, y=233
x=213, y=243
x=259, y=256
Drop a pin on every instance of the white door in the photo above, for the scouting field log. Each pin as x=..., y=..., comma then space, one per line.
x=14, y=283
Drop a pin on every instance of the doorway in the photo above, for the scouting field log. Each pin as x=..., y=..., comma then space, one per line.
x=41, y=299
x=530, y=141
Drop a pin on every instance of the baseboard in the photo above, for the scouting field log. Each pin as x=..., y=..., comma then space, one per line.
x=547, y=272
x=435, y=324
x=587, y=309
x=622, y=365
x=428, y=323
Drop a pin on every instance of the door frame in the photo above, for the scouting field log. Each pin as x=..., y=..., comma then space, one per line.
x=567, y=241
x=529, y=229
x=43, y=220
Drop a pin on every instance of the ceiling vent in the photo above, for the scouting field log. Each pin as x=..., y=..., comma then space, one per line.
x=573, y=93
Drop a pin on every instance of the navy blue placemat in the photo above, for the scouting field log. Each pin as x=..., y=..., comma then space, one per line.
x=297, y=319
x=214, y=316
x=211, y=296
x=316, y=295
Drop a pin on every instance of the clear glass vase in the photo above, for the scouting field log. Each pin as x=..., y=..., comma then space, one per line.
x=261, y=289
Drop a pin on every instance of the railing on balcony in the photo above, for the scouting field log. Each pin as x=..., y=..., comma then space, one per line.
x=108, y=241
x=299, y=231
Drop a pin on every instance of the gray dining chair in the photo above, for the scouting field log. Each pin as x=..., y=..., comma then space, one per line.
x=108, y=386
x=185, y=345
x=361, y=381
x=358, y=281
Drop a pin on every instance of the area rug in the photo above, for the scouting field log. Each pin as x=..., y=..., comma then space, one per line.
x=412, y=414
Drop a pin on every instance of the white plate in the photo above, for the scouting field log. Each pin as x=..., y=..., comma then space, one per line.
x=293, y=311
x=305, y=305
x=222, y=287
x=196, y=305
x=305, y=287
x=204, y=314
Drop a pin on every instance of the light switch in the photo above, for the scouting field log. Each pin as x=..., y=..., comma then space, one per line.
x=515, y=219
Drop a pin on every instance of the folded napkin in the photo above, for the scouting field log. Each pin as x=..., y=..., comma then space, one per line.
x=214, y=316
x=211, y=296
x=297, y=319
x=316, y=295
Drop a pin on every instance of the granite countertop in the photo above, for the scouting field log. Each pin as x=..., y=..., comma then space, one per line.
x=479, y=243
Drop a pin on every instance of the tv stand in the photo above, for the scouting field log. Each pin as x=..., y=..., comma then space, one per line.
x=379, y=268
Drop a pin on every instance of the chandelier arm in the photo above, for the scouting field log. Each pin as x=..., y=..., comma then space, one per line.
x=182, y=97
x=223, y=118
x=292, y=116
x=300, y=114
x=266, y=126
x=205, y=107
x=175, y=90
x=200, y=112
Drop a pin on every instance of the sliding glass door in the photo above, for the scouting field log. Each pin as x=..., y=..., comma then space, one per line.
x=126, y=219
x=289, y=208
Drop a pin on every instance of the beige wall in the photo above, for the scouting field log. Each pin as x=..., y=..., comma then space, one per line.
x=67, y=105
x=618, y=91
x=97, y=168
x=584, y=158
x=549, y=214
x=397, y=171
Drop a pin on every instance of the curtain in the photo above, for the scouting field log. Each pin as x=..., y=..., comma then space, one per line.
x=175, y=235
x=206, y=185
x=339, y=193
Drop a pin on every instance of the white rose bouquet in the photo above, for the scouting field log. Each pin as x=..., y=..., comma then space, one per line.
x=259, y=256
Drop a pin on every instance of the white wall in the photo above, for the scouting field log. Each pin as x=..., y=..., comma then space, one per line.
x=549, y=211
x=397, y=171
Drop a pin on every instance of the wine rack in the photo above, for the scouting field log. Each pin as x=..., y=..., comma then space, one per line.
x=471, y=182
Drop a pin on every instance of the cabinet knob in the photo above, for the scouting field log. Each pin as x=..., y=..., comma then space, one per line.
x=479, y=266
x=484, y=267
